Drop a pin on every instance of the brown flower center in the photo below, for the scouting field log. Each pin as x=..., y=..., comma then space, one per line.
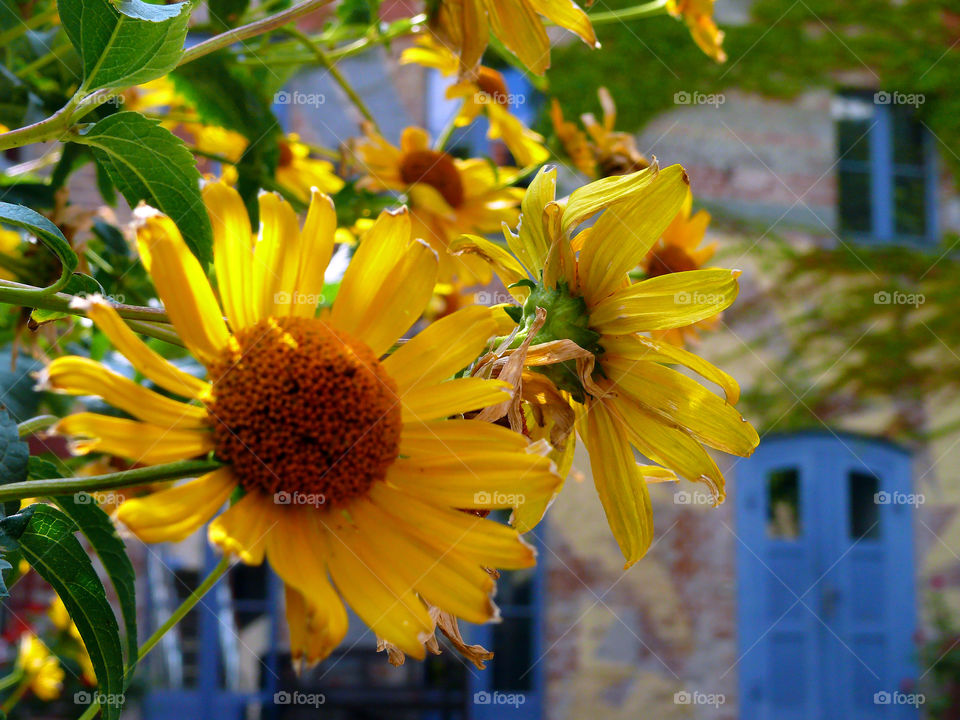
x=303, y=412
x=492, y=83
x=435, y=169
x=669, y=259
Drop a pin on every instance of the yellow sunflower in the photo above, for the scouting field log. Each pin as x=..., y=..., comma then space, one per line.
x=448, y=196
x=486, y=93
x=678, y=250
x=60, y=617
x=298, y=173
x=10, y=242
x=592, y=345
x=465, y=25
x=41, y=669
x=698, y=15
x=346, y=471
x=606, y=151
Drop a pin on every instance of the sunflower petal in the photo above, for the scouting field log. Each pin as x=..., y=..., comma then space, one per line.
x=183, y=288
x=622, y=491
x=232, y=253
x=137, y=441
x=376, y=593
x=83, y=376
x=443, y=348
x=453, y=398
x=669, y=301
x=503, y=263
x=145, y=360
x=519, y=28
x=174, y=514
x=484, y=541
x=454, y=436
x=625, y=232
x=445, y=580
x=275, y=258
x=316, y=249
x=242, y=529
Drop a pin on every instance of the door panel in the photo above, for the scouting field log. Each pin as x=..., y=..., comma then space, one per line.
x=826, y=599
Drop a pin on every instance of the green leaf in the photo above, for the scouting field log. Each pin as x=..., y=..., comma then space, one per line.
x=125, y=42
x=4, y=566
x=100, y=532
x=46, y=537
x=148, y=162
x=48, y=233
x=14, y=452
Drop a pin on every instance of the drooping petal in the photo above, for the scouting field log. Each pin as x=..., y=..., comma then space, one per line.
x=83, y=376
x=621, y=488
x=137, y=441
x=447, y=580
x=174, y=514
x=242, y=528
x=232, y=253
x=668, y=301
x=516, y=24
x=484, y=541
x=376, y=593
x=485, y=480
x=183, y=288
x=454, y=436
x=531, y=243
x=567, y=14
x=452, y=398
x=683, y=402
x=503, y=263
x=443, y=348
x=147, y=361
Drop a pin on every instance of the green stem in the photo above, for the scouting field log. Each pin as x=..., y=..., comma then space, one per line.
x=11, y=679
x=32, y=23
x=93, y=483
x=14, y=293
x=258, y=27
x=40, y=422
x=14, y=698
x=331, y=68
x=46, y=129
x=186, y=606
x=650, y=9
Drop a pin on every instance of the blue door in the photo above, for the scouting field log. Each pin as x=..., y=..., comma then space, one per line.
x=825, y=580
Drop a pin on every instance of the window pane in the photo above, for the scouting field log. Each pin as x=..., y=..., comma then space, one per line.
x=514, y=658
x=910, y=216
x=907, y=137
x=854, y=196
x=864, y=505
x=854, y=140
x=783, y=504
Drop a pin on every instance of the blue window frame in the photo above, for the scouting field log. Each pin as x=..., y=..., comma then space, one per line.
x=887, y=170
